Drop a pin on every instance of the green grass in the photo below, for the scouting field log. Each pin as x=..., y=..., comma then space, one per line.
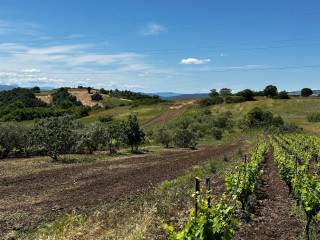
x=144, y=112
x=294, y=110
x=115, y=102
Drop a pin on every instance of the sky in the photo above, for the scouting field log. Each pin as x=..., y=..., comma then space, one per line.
x=180, y=46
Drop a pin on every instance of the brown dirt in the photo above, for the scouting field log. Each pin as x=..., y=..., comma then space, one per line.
x=82, y=95
x=273, y=218
x=45, y=98
x=26, y=201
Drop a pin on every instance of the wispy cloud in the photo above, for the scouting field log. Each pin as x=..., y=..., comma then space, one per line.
x=194, y=61
x=154, y=29
x=58, y=65
x=17, y=27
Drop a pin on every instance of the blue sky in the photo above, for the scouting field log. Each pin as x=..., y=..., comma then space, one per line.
x=164, y=45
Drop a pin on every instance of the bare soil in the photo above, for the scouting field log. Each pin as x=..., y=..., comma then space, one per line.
x=273, y=217
x=28, y=200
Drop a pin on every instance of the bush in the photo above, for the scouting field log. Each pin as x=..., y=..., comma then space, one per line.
x=247, y=94
x=314, y=117
x=234, y=99
x=257, y=118
x=217, y=133
x=96, y=97
x=185, y=138
x=211, y=101
x=306, y=92
x=283, y=95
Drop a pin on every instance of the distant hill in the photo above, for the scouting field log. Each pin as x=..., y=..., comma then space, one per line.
x=7, y=87
x=177, y=96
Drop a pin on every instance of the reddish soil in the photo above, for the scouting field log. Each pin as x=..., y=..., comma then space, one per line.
x=42, y=196
x=273, y=217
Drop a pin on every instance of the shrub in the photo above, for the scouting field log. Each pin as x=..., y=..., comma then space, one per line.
x=306, y=92
x=257, y=118
x=283, y=95
x=234, y=99
x=217, y=133
x=163, y=136
x=247, y=94
x=185, y=138
x=211, y=101
x=314, y=117
x=96, y=97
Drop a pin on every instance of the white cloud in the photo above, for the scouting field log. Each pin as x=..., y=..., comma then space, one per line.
x=32, y=70
x=195, y=61
x=154, y=29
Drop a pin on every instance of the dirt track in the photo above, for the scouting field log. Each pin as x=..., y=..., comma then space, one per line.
x=34, y=198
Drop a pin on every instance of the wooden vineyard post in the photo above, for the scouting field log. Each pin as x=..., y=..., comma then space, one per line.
x=197, y=193
x=208, y=186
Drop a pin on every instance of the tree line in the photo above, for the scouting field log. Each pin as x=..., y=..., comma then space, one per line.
x=57, y=136
x=225, y=95
x=21, y=104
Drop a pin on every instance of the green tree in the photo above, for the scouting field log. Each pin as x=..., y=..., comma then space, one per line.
x=163, y=136
x=270, y=91
x=12, y=136
x=247, y=94
x=55, y=136
x=91, y=138
x=134, y=134
x=185, y=138
x=115, y=135
x=62, y=98
x=213, y=93
x=306, y=92
x=224, y=92
x=283, y=95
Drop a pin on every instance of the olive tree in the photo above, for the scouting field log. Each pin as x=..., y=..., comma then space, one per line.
x=55, y=136
x=12, y=137
x=163, y=136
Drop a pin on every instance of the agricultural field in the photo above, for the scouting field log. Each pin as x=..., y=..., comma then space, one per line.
x=88, y=178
